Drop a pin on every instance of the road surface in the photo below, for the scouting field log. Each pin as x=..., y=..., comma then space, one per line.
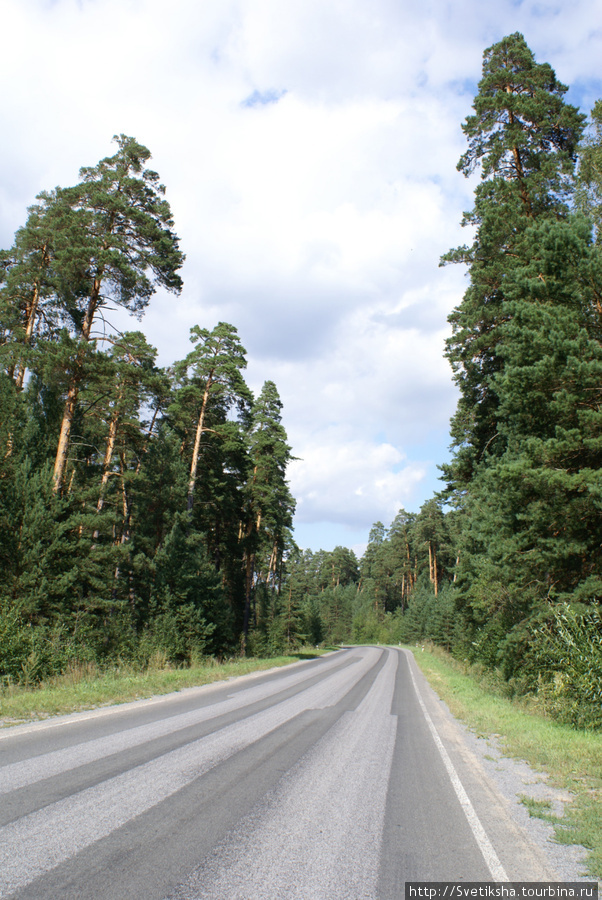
x=338, y=778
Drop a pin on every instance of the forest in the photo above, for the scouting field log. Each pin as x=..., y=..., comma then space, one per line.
x=142, y=509
x=145, y=511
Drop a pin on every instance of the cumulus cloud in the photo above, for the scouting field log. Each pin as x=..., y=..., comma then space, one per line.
x=352, y=481
x=309, y=153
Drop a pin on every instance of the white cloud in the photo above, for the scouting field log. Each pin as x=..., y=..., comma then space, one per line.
x=352, y=481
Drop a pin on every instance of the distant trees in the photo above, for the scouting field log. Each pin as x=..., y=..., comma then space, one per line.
x=343, y=600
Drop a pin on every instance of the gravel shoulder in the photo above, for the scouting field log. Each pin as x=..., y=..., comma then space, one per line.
x=515, y=779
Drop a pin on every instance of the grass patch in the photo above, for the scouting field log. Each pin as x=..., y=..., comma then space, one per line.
x=539, y=809
x=571, y=757
x=86, y=687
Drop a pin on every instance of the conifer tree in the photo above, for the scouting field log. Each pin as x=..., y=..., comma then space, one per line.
x=270, y=506
x=401, y=551
x=112, y=244
x=209, y=384
x=523, y=137
x=527, y=354
x=543, y=488
x=115, y=403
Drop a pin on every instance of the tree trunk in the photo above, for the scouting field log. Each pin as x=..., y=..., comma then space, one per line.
x=272, y=565
x=106, y=466
x=149, y=435
x=250, y=560
x=60, y=462
x=520, y=172
x=197, y=447
x=31, y=314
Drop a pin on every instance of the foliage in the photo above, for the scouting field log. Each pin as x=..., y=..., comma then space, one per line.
x=567, y=651
x=133, y=499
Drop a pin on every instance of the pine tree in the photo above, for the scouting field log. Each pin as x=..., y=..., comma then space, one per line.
x=270, y=505
x=524, y=137
x=209, y=384
x=115, y=401
x=111, y=242
x=527, y=354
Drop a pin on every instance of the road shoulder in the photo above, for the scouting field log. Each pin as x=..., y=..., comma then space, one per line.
x=494, y=784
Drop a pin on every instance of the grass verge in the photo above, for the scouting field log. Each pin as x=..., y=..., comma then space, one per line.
x=85, y=687
x=572, y=758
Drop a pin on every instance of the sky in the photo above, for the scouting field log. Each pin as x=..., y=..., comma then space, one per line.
x=309, y=150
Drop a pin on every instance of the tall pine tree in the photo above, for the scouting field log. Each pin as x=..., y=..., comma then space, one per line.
x=523, y=137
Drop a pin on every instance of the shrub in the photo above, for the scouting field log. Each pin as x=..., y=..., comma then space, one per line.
x=567, y=653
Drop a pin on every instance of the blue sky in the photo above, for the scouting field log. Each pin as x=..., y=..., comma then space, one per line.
x=309, y=149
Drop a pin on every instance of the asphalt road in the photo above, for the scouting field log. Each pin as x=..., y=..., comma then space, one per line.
x=340, y=777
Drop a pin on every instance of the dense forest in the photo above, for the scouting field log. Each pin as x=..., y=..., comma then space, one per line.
x=142, y=510
x=145, y=512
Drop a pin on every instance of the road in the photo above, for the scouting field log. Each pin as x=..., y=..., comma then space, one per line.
x=338, y=778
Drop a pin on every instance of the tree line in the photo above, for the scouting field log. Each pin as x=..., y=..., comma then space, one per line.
x=141, y=508
x=504, y=565
x=146, y=511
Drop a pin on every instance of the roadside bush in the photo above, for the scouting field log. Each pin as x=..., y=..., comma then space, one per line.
x=175, y=634
x=566, y=651
x=16, y=641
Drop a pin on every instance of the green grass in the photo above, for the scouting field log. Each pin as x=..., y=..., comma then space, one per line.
x=85, y=687
x=539, y=809
x=571, y=757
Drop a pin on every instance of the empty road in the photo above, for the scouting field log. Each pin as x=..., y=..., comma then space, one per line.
x=340, y=777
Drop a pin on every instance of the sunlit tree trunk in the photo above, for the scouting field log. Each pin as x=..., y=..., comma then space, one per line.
x=197, y=447
x=62, y=452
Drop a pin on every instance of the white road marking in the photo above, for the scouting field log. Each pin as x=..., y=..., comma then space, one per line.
x=498, y=873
